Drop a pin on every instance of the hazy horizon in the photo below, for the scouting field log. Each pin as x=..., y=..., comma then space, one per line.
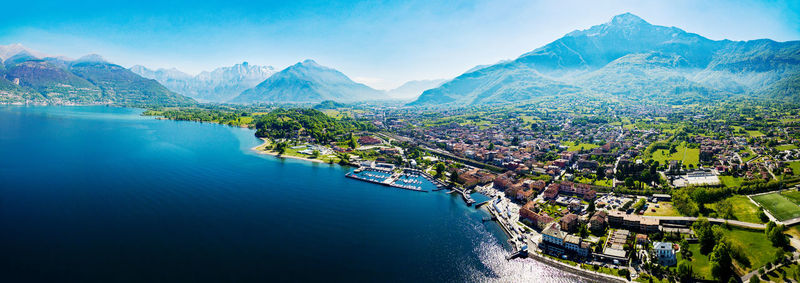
x=382, y=45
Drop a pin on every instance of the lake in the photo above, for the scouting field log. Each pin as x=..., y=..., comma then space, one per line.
x=104, y=194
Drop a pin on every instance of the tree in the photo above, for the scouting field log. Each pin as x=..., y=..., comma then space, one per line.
x=702, y=228
x=439, y=169
x=601, y=173
x=353, y=143
x=281, y=147
x=762, y=215
x=721, y=262
x=583, y=230
x=591, y=207
x=454, y=177
x=725, y=209
x=775, y=234
x=685, y=253
x=754, y=279
x=685, y=271
x=315, y=154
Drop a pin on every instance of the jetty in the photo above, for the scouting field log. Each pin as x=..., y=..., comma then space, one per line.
x=391, y=181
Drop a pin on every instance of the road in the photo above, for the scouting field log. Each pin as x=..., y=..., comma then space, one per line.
x=714, y=220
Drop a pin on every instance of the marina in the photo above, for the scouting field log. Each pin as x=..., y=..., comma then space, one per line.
x=406, y=181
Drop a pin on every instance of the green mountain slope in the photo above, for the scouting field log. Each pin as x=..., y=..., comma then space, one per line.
x=627, y=58
x=121, y=86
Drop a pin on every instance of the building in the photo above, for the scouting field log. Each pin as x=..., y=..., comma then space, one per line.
x=598, y=222
x=633, y=222
x=614, y=250
x=551, y=192
x=662, y=197
x=641, y=239
x=569, y=223
x=557, y=242
x=368, y=140
x=553, y=240
x=664, y=252
x=576, y=245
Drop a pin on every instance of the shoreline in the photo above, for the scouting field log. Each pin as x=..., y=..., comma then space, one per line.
x=260, y=150
x=574, y=270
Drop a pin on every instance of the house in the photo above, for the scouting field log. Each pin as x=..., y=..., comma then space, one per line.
x=569, y=223
x=664, y=252
x=574, y=244
x=641, y=239
x=598, y=222
x=551, y=192
x=553, y=240
x=588, y=164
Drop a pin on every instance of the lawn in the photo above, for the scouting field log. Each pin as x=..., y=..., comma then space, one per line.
x=778, y=205
x=686, y=155
x=663, y=209
x=731, y=181
x=795, y=165
x=590, y=181
x=700, y=264
x=792, y=195
x=754, y=245
x=580, y=146
x=785, y=147
x=744, y=209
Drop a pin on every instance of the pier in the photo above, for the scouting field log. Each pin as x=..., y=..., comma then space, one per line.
x=485, y=202
x=390, y=181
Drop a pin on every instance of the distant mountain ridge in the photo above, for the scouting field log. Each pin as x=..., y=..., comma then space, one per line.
x=219, y=85
x=413, y=89
x=308, y=82
x=26, y=78
x=628, y=58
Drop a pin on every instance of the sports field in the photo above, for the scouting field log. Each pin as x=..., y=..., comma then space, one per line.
x=778, y=205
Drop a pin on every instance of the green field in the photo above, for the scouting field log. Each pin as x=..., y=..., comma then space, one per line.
x=749, y=133
x=778, y=205
x=663, y=209
x=754, y=245
x=792, y=195
x=684, y=154
x=580, y=146
x=730, y=181
x=795, y=165
x=743, y=209
x=590, y=181
x=700, y=264
x=785, y=147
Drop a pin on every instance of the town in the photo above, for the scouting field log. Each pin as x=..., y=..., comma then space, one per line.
x=615, y=192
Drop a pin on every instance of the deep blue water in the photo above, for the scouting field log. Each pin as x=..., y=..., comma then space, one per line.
x=104, y=194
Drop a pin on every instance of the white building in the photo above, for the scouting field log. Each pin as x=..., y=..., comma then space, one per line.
x=665, y=254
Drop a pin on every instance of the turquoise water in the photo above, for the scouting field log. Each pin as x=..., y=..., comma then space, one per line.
x=104, y=194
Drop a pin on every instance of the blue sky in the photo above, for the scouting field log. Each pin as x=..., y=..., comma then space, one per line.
x=380, y=43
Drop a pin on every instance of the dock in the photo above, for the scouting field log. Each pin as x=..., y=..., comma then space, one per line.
x=485, y=202
x=391, y=181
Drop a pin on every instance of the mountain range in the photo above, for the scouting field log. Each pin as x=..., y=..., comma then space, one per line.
x=219, y=85
x=27, y=78
x=630, y=59
x=308, y=82
x=626, y=59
